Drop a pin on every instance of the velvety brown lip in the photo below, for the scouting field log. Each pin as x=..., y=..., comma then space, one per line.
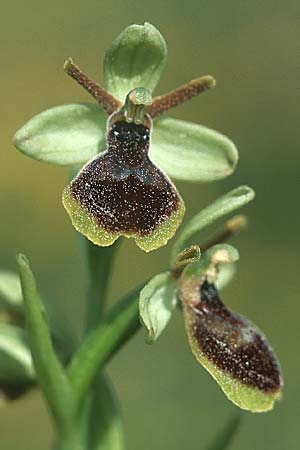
x=232, y=343
x=122, y=189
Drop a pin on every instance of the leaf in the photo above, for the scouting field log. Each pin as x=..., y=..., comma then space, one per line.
x=64, y=135
x=136, y=58
x=12, y=309
x=224, y=438
x=220, y=208
x=12, y=312
x=104, y=427
x=10, y=292
x=157, y=302
x=191, y=152
x=50, y=374
x=15, y=358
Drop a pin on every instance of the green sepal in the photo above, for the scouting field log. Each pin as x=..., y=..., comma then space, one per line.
x=218, y=209
x=64, y=135
x=190, y=152
x=72, y=134
x=157, y=302
x=136, y=58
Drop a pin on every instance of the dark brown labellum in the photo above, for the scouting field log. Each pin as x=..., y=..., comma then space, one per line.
x=123, y=192
x=230, y=347
x=233, y=343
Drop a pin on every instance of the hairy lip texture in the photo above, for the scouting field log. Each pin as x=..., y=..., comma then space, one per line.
x=122, y=189
x=232, y=343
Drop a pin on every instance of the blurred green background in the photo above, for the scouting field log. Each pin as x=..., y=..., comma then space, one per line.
x=253, y=50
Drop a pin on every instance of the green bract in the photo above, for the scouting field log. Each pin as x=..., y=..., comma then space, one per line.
x=220, y=208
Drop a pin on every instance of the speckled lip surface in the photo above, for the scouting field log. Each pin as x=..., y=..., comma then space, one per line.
x=122, y=191
x=232, y=343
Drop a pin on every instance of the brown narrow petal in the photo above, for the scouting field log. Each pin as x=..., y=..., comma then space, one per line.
x=180, y=95
x=108, y=102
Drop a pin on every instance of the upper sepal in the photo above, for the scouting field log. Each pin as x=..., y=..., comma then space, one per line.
x=190, y=152
x=64, y=135
x=136, y=58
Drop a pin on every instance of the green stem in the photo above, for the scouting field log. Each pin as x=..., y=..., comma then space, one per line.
x=97, y=266
x=224, y=438
x=117, y=327
x=70, y=441
x=102, y=425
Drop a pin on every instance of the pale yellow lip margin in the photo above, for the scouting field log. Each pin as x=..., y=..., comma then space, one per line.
x=243, y=396
x=87, y=225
